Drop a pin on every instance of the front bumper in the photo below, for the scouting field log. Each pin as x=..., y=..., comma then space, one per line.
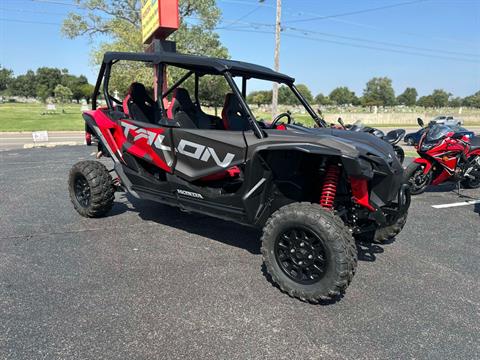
x=388, y=215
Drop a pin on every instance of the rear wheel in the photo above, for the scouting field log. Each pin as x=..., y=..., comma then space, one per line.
x=309, y=252
x=91, y=188
x=416, y=179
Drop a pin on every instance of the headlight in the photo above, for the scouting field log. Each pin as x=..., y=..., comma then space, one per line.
x=426, y=146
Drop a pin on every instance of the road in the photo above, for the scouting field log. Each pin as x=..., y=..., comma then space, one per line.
x=151, y=282
x=17, y=140
x=9, y=141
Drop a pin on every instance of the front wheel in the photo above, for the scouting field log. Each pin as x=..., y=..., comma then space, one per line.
x=399, y=153
x=473, y=181
x=309, y=252
x=416, y=179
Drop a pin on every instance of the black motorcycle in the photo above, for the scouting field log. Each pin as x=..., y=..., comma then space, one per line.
x=392, y=137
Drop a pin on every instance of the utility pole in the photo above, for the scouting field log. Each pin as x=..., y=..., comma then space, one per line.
x=278, y=29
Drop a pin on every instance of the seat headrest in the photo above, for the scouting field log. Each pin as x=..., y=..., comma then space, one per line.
x=233, y=115
x=232, y=103
x=138, y=92
x=183, y=97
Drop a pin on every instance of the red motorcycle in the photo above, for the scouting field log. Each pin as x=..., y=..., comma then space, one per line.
x=444, y=156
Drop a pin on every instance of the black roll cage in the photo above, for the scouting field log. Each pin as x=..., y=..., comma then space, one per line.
x=104, y=78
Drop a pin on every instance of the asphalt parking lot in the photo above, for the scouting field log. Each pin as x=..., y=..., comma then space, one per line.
x=151, y=282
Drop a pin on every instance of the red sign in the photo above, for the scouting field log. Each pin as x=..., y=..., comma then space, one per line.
x=159, y=19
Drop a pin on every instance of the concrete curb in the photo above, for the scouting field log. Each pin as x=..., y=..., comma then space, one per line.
x=29, y=133
x=52, y=144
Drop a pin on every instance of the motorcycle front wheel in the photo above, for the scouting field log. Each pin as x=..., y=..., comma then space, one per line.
x=473, y=181
x=416, y=179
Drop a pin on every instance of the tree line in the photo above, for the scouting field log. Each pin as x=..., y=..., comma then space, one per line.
x=378, y=92
x=45, y=83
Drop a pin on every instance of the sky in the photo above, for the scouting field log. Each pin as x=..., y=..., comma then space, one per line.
x=426, y=44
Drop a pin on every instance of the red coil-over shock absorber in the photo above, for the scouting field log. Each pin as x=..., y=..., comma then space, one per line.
x=329, y=189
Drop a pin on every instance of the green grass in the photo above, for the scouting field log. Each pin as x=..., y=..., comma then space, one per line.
x=28, y=117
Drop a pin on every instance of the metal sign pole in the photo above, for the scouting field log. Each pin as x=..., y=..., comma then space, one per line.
x=159, y=20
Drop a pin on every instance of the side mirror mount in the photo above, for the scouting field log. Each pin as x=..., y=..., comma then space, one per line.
x=420, y=122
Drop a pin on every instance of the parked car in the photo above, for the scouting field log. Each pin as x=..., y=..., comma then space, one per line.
x=447, y=120
x=414, y=138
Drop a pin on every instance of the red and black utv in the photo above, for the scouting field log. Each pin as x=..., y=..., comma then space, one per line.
x=312, y=190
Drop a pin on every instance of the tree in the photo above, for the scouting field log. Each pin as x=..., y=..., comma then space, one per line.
x=87, y=92
x=6, y=77
x=440, y=98
x=121, y=22
x=455, y=102
x=472, y=100
x=212, y=91
x=24, y=85
x=426, y=101
x=379, y=92
x=62, y=94
x=286, y=96
x=74, y=83
x=46, y=80
x=260, y=97
x=305, y=91
x=408, y=97
x=342, y=96
x=321, y=99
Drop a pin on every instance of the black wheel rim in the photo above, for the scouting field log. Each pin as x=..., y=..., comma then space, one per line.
x=301, y=255
x=474, y=182
x=82, y=190
x=419, y=180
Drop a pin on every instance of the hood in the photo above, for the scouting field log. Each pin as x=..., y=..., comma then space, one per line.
x=349, y=143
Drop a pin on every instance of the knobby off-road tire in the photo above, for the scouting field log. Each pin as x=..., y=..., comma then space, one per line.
x=389, y=232
x=91, y=188
x=324, y=236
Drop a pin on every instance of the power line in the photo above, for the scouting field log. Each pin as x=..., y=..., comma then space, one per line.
x=29, y=22
x=57, y=3
x=33, y=11
x=361, y=46
x=358, y=39
x=385, y=43
x=245, y=16
x=356, y=12
x=291, y=11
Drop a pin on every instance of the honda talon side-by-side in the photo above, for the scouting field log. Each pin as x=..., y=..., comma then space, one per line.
x=313, y=191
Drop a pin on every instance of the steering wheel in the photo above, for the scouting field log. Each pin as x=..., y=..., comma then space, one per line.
x=280, y=116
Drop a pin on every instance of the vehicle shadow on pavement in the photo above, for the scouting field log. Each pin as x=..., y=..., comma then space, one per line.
x=442, y=188
x=225, y=232
x=477, y=209
x=368, y=251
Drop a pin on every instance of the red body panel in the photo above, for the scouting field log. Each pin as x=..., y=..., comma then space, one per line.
x=427, y=163
x=123, y=135
x=360, y=192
